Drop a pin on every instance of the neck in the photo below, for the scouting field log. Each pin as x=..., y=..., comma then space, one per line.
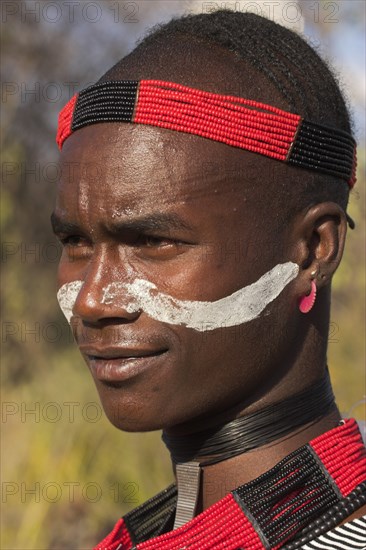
x=219, y=479
x=253, y=430
x=213, y=462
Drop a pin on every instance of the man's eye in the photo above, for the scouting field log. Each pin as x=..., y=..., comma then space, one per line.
x=162, y=248
x=153, y=242
x=75, y=247
x=72, y=240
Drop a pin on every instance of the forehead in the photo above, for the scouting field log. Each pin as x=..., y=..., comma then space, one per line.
x=135, y=165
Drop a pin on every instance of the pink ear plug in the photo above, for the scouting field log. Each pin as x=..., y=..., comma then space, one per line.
x=306, y=302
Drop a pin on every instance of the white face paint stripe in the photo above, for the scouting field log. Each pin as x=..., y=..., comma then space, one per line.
x=66, y=297
x=240, y=307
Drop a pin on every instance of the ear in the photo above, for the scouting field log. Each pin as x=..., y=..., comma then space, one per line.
x=320, y=235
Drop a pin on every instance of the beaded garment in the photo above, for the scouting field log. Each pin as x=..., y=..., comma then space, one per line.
x=305, y=495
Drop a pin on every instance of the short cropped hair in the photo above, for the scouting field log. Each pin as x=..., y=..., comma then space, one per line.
x=304, y=81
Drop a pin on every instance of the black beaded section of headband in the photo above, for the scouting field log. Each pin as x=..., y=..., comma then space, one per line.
x=322, y=148
x=105, y=102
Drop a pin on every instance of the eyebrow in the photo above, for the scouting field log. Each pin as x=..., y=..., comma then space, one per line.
x=62, y=226
x=153, y=222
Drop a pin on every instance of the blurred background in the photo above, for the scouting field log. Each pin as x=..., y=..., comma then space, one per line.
x=66, y=473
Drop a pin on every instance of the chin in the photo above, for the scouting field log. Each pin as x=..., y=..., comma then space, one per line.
x=129, y=415
x=134, y=425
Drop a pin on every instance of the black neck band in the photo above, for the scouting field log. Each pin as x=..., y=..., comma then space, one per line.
x=253, y=430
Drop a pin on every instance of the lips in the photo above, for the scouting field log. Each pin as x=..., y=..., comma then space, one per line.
x=116, y=352
x=117, y=364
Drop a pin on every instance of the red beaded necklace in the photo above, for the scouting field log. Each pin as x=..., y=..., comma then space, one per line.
x=232, y=120
x=306, y=494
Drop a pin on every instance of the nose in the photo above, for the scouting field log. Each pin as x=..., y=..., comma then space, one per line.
x=95, y=303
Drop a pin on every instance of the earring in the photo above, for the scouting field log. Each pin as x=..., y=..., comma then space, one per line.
x=306, y=302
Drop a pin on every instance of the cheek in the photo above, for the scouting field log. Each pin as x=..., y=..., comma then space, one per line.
x=239, y=307
x=233, y=358
x=65, y=270
x=213, y=371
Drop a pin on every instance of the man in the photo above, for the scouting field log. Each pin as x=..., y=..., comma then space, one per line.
x=202, y=225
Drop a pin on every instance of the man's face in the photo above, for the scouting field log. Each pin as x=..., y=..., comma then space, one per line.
x=140, y=203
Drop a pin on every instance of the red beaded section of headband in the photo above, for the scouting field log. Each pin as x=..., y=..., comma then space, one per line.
x=232, y=120
x=65, y=120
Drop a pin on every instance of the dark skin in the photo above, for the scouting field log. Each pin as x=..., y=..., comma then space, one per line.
x=179, y=393
x=194, y=264
x=153, y=204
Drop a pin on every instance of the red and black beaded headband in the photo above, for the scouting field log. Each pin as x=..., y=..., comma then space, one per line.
x=236, y=121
